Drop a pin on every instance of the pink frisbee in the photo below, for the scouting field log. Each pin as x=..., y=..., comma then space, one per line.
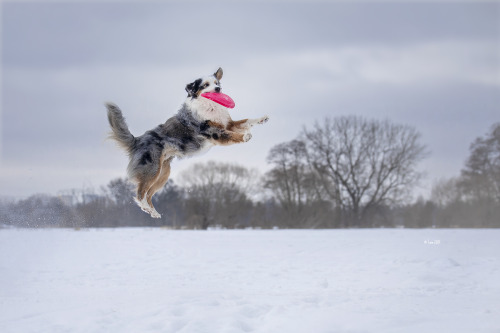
x=220, y=98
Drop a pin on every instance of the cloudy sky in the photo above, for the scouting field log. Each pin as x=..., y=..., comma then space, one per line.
x=432, y=65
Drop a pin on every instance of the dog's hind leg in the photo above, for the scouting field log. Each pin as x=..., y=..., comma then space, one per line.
x=158, y=185
x=145, y=178
x=144, y=194
x=140, y=198
x=150, y=182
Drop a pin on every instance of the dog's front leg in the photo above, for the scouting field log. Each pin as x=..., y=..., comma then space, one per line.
x=246, y=124
x=224, y=137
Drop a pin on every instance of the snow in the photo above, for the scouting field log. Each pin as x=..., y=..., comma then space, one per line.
x=335, y=281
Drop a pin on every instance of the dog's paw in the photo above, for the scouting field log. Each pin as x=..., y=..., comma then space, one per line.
x=247, y=137
x=142, y=204
x=155, y=214
x=263, y=120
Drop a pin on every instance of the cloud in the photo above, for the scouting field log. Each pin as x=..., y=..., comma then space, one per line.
x=56, y=138
x=65, y=105
x=437, y=62
x=296, y=63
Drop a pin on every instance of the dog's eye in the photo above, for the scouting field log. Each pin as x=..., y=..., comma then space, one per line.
x=206, y=85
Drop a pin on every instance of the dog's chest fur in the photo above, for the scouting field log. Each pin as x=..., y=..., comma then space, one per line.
x=208, y=110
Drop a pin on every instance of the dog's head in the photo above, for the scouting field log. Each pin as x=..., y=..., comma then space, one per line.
x=205, y=84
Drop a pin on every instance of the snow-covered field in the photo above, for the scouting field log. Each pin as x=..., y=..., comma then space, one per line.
x=314, y=281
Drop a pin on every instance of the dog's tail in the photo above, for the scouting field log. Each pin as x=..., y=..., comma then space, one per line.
x=119, y=128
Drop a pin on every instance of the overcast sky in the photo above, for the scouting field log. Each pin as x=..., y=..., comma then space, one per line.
x=435, y=66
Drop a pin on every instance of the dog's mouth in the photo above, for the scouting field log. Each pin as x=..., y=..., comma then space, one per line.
x=216, y=90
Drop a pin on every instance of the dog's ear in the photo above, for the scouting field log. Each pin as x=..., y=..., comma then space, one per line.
x=218, y=74
x=193, y=87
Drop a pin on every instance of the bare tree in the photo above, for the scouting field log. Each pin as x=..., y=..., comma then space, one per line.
x=480, y=181
x=170, y=203
x=364, y=163
x=481, y=175
x=217, y=193
x=287, y=179
x=217, y=175
x=446, y=191
x=294, y=185
x=121, y=191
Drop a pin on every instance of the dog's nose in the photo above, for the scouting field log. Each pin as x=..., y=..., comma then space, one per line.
x=217, y=89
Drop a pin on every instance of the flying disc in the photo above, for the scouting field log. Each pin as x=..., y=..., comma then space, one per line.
x=220, y=98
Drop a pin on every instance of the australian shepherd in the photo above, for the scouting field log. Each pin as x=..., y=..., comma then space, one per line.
x=198, y=125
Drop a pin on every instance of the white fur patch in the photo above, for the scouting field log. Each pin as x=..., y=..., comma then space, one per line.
x=206, y=109
x=147, y=208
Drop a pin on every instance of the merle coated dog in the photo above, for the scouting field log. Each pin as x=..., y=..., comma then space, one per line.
x=198, y=125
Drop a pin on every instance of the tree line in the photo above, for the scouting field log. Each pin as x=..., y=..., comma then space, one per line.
x=343, y=172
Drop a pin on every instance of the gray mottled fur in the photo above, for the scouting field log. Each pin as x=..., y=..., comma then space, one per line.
x=181, y=135
x=119, y=127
